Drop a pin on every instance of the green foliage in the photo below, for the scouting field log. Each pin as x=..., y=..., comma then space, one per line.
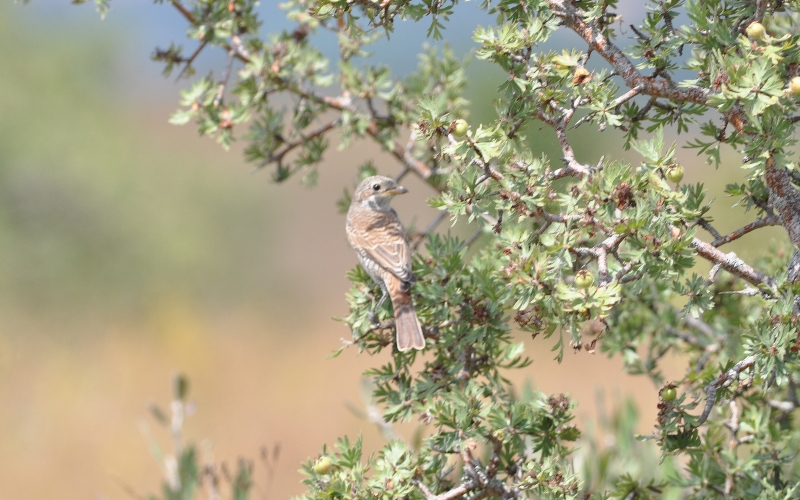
x=630, y=236
x=187, y=472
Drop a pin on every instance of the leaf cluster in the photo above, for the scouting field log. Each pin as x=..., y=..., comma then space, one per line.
x=592, y=257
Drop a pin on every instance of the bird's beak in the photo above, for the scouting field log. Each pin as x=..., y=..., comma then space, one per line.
x=397, y=190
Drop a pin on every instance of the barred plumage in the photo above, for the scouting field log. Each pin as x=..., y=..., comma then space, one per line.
x=379, y=239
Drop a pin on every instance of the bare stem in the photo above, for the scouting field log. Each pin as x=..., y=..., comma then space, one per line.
x=721, y=382
x=733, y=264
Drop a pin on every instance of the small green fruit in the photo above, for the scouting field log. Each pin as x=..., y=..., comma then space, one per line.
x=755, y=31
x=675, y=173
x=460, y=128
x=794, y=86
x=669, y=394
x=584, y=279
x=322, y=465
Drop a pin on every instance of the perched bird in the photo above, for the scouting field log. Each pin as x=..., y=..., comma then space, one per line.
x=379, y=239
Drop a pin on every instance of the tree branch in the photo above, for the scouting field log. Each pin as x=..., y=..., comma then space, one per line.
x=278, y=155
x=457, y=492
x=191, y=59
x=183, y=10
x=724, y=380
x=733, y=264
x=708, y=227
x=592, y=34
x=186, y=13
x=785, y=198
x=769, y=220
x=403, y=155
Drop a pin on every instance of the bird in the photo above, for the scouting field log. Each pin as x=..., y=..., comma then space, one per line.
x=379, y=239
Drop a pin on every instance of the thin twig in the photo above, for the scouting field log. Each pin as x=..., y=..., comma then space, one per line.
x=191, y=59
x=686, y=337
x=664, y=87
x=701, y=326
x=615, y=104
x=190, y=17
x=404, y=155
x=769, y=220
x=183, y=10
x=223, y=82
x=127, y=488
x=433, y=224
x=784, y=406
x=712, y=274
x=278, y=155
x=708, y=227
x=456, y=492
x=721, y=382
x=474, y=236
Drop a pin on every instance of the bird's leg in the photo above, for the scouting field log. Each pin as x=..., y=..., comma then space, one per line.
x=373, y=317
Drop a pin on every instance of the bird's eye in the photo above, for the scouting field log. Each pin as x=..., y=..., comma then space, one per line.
x=376, y=187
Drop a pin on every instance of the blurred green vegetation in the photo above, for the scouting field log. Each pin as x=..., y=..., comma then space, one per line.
x=611, y=449
x=96, y=211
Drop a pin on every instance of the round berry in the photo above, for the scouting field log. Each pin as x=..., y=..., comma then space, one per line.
x=584, y=279
x=322, y=465
x=460, y=128
x=755, y=31
x=669, y=394
x=674, y=173
x=794, y=85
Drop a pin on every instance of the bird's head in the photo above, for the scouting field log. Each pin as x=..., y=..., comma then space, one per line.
x=377, y=191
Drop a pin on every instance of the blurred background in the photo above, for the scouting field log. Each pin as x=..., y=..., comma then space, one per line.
x=131, y=250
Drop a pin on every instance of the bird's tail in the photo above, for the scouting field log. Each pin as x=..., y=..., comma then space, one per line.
x=409, y=332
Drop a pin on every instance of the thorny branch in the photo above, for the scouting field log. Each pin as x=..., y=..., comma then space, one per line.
x=420, y=237
x=791, y=402
x=456, y=492
x=622, y=66
x=724, y=380
x=769, y=220
x=223, y=82
x=403, y=154
x=783, y=196
x=734, y=265
x=191, y=59
x=477, y=477
x=287, y=148
x=615, y=104
x=708, y=227
x=487, y=482
x=187, y=14
x=559, y=125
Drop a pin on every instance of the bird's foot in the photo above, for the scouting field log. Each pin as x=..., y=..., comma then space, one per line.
x=373, y=319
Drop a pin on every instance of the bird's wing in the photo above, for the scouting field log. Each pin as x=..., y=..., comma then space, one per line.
x=383, y=239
